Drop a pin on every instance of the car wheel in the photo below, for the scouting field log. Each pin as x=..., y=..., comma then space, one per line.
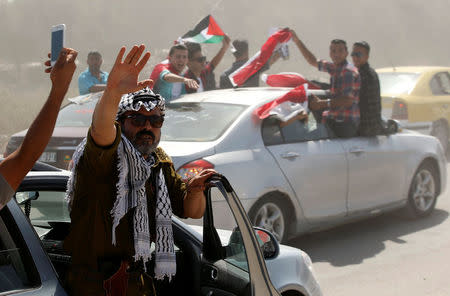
x=270, y=214
x=440, y=131
x=423, y=191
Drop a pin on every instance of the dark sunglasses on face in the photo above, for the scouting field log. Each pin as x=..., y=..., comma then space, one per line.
x=201, y=59
x=357, y=54
x=139, y=120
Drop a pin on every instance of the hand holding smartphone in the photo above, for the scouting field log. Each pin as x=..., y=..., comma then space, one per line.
x=57, y=42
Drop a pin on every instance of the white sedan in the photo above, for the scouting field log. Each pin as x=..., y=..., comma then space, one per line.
x=300, y=178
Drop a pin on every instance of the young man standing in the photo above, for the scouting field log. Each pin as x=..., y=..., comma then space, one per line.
x=341, y=110
x=369, y=96
x=200, y=70
x=93, y=79
x=170, y=83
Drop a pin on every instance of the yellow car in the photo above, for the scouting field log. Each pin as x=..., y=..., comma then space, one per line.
x=418, y=97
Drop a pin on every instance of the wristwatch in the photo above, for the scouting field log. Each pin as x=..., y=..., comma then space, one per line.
x=329, y=103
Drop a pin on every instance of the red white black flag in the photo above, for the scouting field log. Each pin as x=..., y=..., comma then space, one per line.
x=253, y=65
x=286, y=106
x=287, y=79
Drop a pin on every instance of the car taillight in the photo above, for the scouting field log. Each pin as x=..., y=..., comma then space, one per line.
x=400, y=111
x=193, y=168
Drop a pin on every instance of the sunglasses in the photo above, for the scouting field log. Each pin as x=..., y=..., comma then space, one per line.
x=357, y=54
x=139, y=120
x=201, y=59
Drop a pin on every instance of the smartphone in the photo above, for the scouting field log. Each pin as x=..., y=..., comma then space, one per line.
x=57, y=42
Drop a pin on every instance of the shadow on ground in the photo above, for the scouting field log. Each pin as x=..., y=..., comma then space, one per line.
x=352, y=243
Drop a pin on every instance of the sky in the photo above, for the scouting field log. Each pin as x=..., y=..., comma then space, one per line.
x=400, y=32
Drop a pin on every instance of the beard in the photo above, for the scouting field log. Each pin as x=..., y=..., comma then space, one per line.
x=143, y=145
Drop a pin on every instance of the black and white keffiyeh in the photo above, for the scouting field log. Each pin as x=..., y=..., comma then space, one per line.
x=144, y=98
x=134, y=170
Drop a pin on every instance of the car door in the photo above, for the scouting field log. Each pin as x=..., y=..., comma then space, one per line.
x=314, y=164
x=377, y=170
x=231, y=265
x=25, y=268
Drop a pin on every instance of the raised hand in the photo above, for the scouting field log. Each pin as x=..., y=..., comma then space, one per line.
x=61, y=73
x=124, y=75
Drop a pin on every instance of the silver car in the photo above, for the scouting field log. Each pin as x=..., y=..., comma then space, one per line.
x=210, y=261
x=300, y=178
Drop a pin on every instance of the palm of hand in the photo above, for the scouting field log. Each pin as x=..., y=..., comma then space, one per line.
x=123, y=78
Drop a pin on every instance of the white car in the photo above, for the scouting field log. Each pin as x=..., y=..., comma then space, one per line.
x=210, y=261
x=300, y=178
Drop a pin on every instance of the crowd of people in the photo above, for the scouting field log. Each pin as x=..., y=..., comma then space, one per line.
x=186, y=70
x=124, y=189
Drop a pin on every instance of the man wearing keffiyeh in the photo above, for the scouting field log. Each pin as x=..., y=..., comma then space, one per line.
x=123, y=191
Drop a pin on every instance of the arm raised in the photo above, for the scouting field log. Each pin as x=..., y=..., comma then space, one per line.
x=122, y=79
x=17, y=164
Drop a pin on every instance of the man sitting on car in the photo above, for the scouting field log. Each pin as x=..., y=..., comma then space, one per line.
x=369, y=97
x=17, y=164
x=341, y=111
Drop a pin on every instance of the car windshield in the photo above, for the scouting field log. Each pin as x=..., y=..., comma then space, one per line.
x=77, y=115
x=198, y=122
x=397, y=83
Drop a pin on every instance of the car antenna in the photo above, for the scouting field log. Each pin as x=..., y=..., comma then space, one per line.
x=392, y=64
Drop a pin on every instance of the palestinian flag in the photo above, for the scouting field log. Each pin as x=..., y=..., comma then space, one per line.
x=207, y=31
x=286, y=106
x=255, y=63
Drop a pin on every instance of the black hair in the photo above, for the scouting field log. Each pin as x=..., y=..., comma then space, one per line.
x=192, y=49
x=241, y=47
x=363, y=44
x=339, y=41
x=94, y=53
x=177, y=46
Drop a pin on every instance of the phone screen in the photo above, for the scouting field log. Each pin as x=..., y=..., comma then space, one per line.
x=57, y=44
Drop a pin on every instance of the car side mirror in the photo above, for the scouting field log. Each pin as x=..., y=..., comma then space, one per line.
x=392, y=126
x=267, y=242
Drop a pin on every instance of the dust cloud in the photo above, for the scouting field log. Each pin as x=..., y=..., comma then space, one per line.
x=401, y=32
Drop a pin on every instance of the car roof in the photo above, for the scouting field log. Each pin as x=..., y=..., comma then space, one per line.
x=413, y=69
x=59, y=173
x=239, y=96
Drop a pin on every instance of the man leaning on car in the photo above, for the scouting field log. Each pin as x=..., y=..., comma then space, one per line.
x=341, y=111
x=17, y=164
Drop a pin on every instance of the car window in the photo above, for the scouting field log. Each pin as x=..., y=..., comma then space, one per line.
x=297, y=131
x=440, y=84
x=397, y=83
x=226, y=226
x=47, y=206
x=17, y=270
x=76, y=115
x=198, y=122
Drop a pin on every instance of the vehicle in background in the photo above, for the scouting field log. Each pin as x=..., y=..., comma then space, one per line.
x=232, y=264
x=300, y=178
x=71, y=128
x=295, y=179
x=419, y=98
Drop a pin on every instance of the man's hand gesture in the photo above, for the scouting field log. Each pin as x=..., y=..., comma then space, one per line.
x=191, y=83
x=61, y=73
x=124, y=75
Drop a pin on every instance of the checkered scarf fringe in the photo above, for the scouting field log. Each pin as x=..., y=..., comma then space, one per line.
x=134, y=171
